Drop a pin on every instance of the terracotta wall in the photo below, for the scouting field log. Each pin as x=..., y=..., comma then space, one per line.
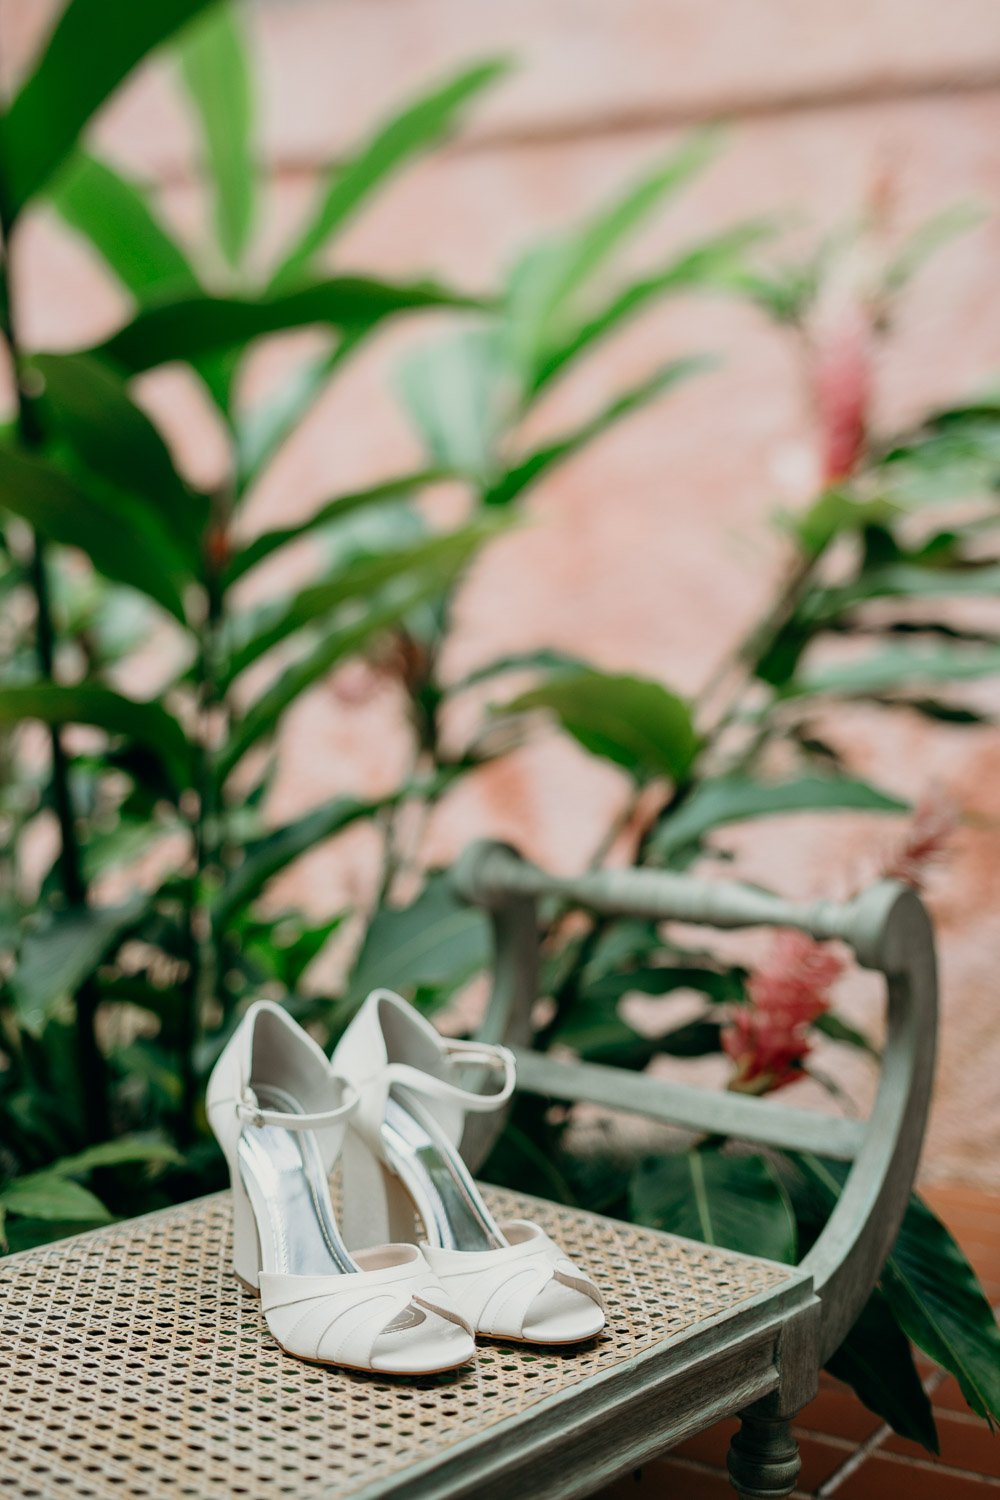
x=655, y=550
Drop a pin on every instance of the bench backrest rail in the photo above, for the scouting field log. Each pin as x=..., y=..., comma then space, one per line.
x=888, y=930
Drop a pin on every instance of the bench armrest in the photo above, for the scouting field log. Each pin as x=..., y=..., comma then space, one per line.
x=889, y=931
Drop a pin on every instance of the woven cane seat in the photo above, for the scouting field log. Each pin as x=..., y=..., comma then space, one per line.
x=132, y=1363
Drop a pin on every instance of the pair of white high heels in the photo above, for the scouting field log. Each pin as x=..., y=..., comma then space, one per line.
x=391, y=1108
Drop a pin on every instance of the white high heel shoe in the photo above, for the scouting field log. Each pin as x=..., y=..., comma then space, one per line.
x=400, y=1159
x=279, y=1116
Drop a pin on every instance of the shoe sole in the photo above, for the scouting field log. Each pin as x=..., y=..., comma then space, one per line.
x=505, y=1338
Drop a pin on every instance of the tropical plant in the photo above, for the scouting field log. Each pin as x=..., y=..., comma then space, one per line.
x=113, y=1010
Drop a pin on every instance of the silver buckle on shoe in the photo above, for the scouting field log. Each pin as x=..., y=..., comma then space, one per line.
x=249, y=1111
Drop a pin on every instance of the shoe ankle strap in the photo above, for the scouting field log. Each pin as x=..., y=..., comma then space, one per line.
x=251, y=1113
x=428, y=1084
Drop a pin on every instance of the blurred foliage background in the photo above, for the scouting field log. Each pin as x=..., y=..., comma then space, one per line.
x=120, y=987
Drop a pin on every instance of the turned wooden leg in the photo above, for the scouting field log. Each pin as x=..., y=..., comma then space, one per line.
x=763, y=1458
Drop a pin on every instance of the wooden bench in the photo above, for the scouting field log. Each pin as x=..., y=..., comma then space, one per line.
x=133, y=1364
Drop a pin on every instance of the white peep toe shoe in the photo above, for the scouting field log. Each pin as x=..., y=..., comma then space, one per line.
x=401, y=1159
x=279, y=1115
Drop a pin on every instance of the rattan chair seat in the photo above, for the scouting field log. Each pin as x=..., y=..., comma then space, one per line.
x=133, y=1364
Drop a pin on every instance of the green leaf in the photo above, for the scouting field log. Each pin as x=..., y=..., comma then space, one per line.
x=440, y=557
x=834, y=514
x=876, y=1361
x=214, y=67
x=720, y=986
x=839, y=1030
x=263, y=428
x=933, y=1292
x=266, y=857
x=128, y=1148
x=941, y=1306
x=520, y=661
x=196, y=326
x=94, y=46
x=87, y=404
x=608, y=229
x=623, y=942
x=144, y=1061
x=123, y=542
x=909, y=581
x=696, y=1038
x=387, y=491
x=943, y=713
x=630, y=720
x=61, y=953
x=417, y=128
x=282, y=948
x=733, y=799
x=711, y=266
x=955, y=457
x=538, y=463
x=44, y=1195
x=114, y=215
x=737, y=1202
x=439, y=941
x=264, y=713
x=597, y=1033
x=898, y=667
x=542, y=288
x=92, y=703
x=460, y=394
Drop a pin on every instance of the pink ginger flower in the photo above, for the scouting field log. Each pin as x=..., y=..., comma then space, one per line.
x=842, y=386
x=925, y=842
x=767, y=1053
x=768, y=1038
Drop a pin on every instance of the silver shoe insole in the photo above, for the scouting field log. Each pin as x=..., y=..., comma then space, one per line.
x=454, y=1214
x=287, y=1185
x=284, y=1176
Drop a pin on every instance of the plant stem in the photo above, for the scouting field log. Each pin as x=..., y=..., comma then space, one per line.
x=91, y=1066
x=204, y=945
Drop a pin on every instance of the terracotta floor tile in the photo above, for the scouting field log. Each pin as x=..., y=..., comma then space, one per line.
x=966, y=1443
x=953, y=1201
x=820, y=1457
x=984, y=1257
x=676, y=1479
x=628, y=1487
x=837, y=1412
x=711, y=1446
x=887, y=1478
x=948, y=1397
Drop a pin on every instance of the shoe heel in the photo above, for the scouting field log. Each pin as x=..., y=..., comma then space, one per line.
x=246, y=1241
x=375, y=1208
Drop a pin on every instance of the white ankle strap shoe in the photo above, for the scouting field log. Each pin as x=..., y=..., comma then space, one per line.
x=279, y=1114
x=401, y=1164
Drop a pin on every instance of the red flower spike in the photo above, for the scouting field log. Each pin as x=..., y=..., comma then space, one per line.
x=768, y=1038
x=842, y=386
x=767, y=1054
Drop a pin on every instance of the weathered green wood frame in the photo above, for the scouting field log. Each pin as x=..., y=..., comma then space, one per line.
x=888, y=930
